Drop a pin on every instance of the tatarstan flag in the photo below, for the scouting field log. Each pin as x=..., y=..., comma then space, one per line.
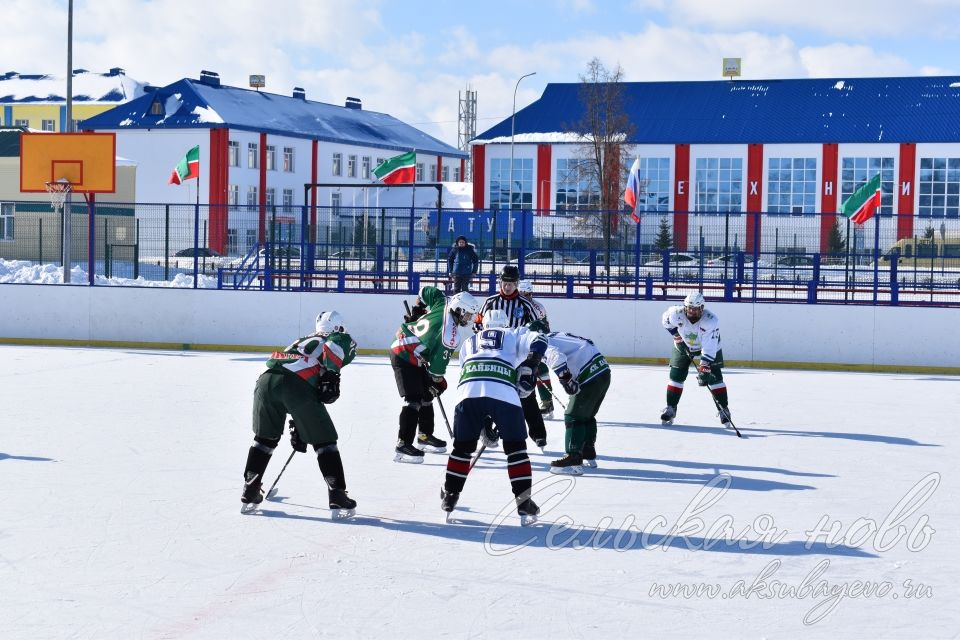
x=864, y=202
x=188, y=168
x=398, y=169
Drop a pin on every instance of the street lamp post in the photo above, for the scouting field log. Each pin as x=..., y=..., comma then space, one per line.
x=513, y=121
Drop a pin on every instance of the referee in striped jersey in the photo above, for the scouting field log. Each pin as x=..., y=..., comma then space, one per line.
x=520, y=313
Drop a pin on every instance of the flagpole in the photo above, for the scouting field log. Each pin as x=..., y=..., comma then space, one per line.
x=413, y=211
x=196, y=232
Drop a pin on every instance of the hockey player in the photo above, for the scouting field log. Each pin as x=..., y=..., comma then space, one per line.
x=520, y=312
x=496, y=367
x=431, y=331
x=544, y=386
x=299, y=381
x=696, y=332
x=585, y=376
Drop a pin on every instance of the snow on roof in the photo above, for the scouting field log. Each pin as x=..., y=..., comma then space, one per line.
x=908, y=109
x=112, y=87
x=191, y=103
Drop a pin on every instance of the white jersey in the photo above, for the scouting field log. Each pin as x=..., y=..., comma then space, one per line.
x=702, y=336
x=488, y=363
x=580, y=355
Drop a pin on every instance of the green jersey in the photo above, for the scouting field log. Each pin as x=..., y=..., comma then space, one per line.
x=309, y=357
x=430, y=339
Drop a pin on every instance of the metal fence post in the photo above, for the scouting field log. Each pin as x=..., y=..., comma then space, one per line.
x=894, y=281
x=166, y=242
x=876, y=256
x=569, y=286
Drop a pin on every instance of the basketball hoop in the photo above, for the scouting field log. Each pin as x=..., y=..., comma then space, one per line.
x=58, y=192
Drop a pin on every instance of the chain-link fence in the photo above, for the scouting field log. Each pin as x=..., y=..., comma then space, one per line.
x=729, y=256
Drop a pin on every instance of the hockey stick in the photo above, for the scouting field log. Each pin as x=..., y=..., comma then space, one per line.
x=716, y=403
x=271, y=493
x=473, y=462
x=550, y=389
x=444, y=413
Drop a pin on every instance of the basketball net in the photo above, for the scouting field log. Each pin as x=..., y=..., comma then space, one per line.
x=58, y=192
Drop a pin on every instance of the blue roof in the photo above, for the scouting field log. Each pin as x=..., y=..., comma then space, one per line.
x=200, y=104
x=916, y=109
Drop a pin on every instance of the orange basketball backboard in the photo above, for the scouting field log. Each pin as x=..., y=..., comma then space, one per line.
x=86, y=160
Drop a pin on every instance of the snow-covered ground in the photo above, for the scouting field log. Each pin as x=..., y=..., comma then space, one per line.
x=27, y=272
x=122, y=472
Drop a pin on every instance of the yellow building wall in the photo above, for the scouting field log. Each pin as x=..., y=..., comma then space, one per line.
x=37, y=113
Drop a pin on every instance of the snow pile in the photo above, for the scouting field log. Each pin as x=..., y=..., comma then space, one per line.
x=207, y=114
x=26, y=272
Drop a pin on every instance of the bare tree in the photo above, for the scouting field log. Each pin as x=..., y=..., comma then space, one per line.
x=603, y=132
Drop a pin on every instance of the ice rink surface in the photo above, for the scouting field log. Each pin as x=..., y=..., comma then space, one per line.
x=122, y=471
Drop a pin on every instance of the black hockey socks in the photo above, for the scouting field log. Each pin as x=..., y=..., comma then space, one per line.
x=533, y=417
x=408, y=422
x=331, y=466
x=458, y=465
x=518, y=467
x=425, y=418
x=259, y=457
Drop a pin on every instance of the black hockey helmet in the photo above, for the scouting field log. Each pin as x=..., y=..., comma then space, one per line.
x=510, y=273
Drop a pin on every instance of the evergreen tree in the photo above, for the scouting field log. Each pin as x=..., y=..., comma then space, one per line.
x=835, y=240
x=664, y=239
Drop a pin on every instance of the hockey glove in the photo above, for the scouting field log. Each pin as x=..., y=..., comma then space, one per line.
x=329, y=389
x=570, y=384
x=416, y=312
x=438, y=384
x=295, y=441
x=705, y=373
x=526, y=381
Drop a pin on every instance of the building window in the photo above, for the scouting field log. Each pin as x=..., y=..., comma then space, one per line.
x=656, y=186
x=76, y=125
x=288, y=159
x=351, y=166
x=271, y=196
x=21, y=123
x=233, y=153
x=6, y=220
x=251, y=240
x=338, y=164
x=380, y=161
x=419, y=177
x=445, y=174
x=271, y=158
x=233, y=194
x=335, y=201
x=252, y=196
x=232, y=248
x=939, y=188
x=576, y=186
x=855, y=172
x=252, y=155
x=791, y=185
x=433, y=172
x=456, y=174
x=365, y=168
x=719, y=184
x=522, y=183
x=48, y=125
x=288, y=200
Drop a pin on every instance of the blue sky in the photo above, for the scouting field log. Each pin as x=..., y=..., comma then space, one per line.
x=411, y=58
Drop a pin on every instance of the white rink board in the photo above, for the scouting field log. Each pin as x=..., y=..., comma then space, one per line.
x=821, y=333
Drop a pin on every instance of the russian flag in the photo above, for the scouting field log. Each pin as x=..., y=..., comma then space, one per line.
x=632, y=194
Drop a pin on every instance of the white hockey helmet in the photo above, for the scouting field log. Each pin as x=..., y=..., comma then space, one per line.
x=525, y=287
x=694, y=300
x=329, y=322
x=495, y=319
x=464, y=307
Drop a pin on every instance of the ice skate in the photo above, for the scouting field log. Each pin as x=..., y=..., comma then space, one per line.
x=341, y=505
x=546, y=410
x=541, y=444
x=668, y=414
x=252, y=494
x=490, y=437
x=528, y=511
x=571, y=465
x=407, y=453
x=589, y=456
x=431, y=444
x=448, y=502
